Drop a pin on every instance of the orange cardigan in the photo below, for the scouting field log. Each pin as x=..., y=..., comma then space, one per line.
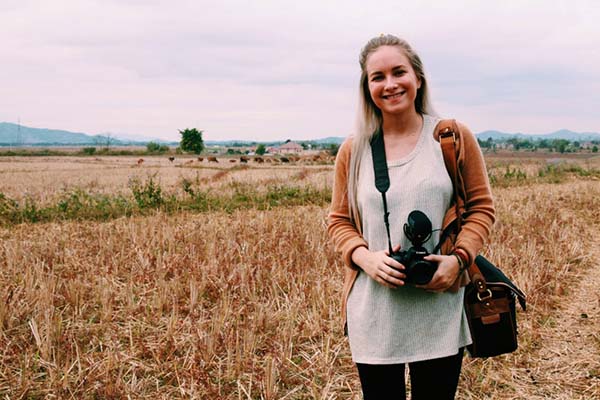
x=478, y=216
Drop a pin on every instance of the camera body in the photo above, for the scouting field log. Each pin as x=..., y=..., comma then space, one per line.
x=418, y=230
x=417, y=270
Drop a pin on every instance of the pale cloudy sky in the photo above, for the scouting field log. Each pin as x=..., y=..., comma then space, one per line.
x=269, y=70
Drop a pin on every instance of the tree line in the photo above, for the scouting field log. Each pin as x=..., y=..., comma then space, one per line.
x=553, y=145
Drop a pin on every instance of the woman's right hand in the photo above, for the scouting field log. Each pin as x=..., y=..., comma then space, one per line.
x=380, y=266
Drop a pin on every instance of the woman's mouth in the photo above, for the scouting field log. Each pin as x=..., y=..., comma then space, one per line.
x=393, y=96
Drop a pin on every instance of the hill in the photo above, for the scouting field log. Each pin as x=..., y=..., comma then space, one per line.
x=19, y=135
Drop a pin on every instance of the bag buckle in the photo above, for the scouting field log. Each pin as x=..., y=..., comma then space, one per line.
x=482, y=296
x=447, y=132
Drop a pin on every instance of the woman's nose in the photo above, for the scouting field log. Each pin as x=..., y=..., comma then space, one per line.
x=390, y=83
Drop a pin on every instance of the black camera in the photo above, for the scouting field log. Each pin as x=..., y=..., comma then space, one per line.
x=418, y=230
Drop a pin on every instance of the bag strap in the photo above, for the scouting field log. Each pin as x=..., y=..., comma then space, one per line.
x=449, y=137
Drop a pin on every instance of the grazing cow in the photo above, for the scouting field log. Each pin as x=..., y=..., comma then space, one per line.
x=189, y=162
x=285, y=160
x=140, y=161
x=171, y=159
x=212, y=159
x=276, y=161
x=259, y=160
x=244, y=159
x=232, y=160
x=200, y=159
x=268, y=160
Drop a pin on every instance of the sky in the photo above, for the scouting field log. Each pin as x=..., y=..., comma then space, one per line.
x=276, y=70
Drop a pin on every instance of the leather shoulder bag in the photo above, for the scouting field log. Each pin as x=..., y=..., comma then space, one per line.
x=490, y=296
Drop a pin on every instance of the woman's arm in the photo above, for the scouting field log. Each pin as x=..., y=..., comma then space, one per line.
x=343, y=232
x=479, y=212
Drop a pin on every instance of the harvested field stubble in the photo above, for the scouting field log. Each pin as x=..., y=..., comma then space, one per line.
x=179, y=307
x=245, y=304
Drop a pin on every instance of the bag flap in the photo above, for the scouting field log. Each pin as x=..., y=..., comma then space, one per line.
x=493, y=274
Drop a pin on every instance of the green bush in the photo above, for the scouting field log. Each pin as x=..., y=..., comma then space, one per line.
x=147, y=194
x=88, y=151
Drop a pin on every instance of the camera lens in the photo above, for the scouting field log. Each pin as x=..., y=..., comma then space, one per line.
x=423, y=271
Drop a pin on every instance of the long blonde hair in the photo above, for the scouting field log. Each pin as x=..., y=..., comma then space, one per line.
x=369, y=119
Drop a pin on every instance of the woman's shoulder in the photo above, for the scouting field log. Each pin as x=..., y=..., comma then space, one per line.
x=440, y=124
x=345, y=149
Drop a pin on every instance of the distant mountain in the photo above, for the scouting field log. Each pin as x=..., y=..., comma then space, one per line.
x=560, y=134
x=13, y=134
x=19, y=135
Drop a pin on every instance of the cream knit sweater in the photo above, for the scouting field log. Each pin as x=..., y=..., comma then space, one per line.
x=389, y=326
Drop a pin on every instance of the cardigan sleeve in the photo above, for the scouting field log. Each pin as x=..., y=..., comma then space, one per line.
x=479, y=212
x=342, y=231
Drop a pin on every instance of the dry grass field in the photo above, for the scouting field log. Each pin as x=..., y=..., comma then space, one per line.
x=218, y=281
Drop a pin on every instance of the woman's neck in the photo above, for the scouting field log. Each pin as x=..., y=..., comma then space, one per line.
x=402, y=125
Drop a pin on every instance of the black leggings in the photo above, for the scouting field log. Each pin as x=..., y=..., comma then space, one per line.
x=431, y=379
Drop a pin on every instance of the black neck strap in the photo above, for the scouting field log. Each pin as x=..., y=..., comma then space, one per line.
x=382, y=177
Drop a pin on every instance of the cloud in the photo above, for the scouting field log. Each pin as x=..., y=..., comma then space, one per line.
x=283, y=69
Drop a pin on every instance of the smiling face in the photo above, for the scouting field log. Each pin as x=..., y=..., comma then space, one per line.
x=391, y=80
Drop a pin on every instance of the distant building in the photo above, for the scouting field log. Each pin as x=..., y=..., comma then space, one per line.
x=587, y=145
x=288, y=147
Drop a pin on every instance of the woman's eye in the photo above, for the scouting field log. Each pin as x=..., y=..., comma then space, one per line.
x=399, y=72
x=376, y=78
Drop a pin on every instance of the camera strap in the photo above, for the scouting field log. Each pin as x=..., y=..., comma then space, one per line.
x=382, y=177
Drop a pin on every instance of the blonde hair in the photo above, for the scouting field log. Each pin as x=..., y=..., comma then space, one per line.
x=369, y=119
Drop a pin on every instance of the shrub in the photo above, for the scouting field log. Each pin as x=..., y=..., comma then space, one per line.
x=88, y=151
x=147, y=194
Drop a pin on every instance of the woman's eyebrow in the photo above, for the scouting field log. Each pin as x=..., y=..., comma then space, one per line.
x=400, y=66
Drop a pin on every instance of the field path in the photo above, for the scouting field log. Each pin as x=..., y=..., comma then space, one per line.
x=566, y=362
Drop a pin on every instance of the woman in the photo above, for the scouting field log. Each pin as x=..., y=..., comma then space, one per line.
x=389, y=322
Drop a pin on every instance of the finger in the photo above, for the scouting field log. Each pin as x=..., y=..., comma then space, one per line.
x=392, y=280
x=394, y=264
x=391, y=275
x=394, y=272
x=433, y=257
x=435, y=284
x=385, y=283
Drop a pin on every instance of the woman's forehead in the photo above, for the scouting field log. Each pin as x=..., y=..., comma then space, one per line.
x=386, y=57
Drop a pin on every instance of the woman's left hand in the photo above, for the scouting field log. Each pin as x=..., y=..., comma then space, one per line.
x=445, y=275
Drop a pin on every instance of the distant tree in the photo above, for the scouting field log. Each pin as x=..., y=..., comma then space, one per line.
x=152, y=147
x=333, y=149
x=560, y=145
x=595, y=149
x=486, y=144
x=261, y=149
x=191, y=141
x=544, y=144
x=89, y=150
